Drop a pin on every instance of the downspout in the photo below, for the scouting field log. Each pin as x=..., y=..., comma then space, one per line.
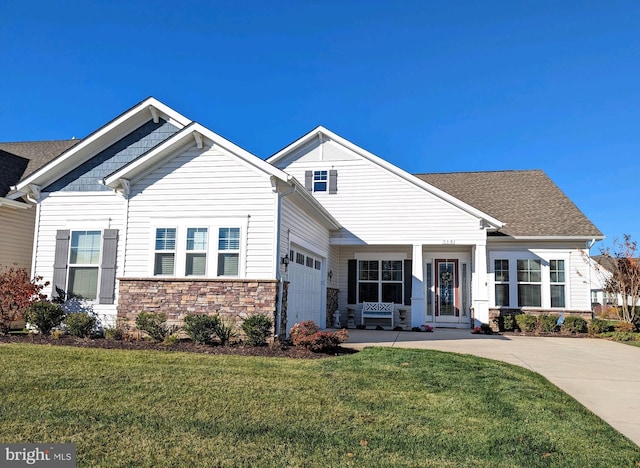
x=589, y=245
x=279, y=277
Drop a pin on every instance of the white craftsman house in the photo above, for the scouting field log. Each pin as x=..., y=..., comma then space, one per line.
x=155, y=212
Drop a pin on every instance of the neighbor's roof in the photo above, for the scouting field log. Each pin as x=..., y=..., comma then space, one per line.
x=528, y=202
x=18, y=160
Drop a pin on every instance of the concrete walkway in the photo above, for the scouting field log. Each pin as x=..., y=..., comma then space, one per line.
x=602, y=375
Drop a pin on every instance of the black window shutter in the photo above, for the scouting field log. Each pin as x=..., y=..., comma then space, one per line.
x=61, y=257
x=352, y=281
x=108, y=266
x=308, y=180
x=333, y=181
x=408, y=280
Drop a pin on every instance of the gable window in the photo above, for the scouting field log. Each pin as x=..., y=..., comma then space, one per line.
x=557, y=280
x=228, y=251
x=165, y=251
x=529, y=282
x=196, y=256
x=380, y=281
x=319, y=181
x=84, y=264
x=501, y=271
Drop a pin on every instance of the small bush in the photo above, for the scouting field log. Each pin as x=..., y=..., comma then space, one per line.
x=154, y=324
x=597, y=326
x=624, y=336
x=57, y=334
x=224, y=331
x=45, y=316
x=508, y=323
x=547, y=323
x=624, y=327
x=114, y=333
x=308, y=335
x=80, y=324
x=574, y=324
x=486, y=329
x=526, y=322
x=17, y=293
x=257, y=328
x=201, y=328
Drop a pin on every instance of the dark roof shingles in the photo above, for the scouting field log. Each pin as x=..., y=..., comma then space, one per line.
x=528, y=202
x=20, y=159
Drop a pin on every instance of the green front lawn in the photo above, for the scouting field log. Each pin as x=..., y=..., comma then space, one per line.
x=380, y=407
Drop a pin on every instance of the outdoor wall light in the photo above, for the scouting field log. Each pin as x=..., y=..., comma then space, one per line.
x=330, y=274
x=285, y=261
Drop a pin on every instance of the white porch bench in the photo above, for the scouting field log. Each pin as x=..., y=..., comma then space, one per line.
x=377, y=310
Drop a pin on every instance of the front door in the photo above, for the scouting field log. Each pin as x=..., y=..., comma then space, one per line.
x=447, y=300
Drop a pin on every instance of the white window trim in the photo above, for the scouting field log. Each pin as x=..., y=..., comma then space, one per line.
x=212, y=225
x=545, y=286
x=325, y=181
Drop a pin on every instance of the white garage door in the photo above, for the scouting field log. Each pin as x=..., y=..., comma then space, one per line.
x=305, y=294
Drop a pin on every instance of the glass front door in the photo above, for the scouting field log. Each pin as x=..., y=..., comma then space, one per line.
x=447, y=300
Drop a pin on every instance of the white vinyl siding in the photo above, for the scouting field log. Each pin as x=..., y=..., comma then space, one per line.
x=375, y=206
x=213, y=189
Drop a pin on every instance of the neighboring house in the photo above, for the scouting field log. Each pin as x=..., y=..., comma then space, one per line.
x=600, y=273
x=155, y=212
x=17, y=213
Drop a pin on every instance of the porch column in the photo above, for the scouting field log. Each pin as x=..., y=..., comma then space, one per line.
x=417, y=287
x=480, y=285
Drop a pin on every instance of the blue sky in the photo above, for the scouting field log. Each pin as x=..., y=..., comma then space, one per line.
x=429, y=86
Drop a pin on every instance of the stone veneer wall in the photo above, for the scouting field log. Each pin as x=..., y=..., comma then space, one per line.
x=177, y=297
x=332, y=306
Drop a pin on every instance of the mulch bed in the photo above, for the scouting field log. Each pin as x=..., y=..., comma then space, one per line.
x=274, y=350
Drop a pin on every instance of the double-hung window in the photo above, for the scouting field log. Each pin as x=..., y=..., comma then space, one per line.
x=380, y=281
x=228, y=251
x=529, y=282
x=196, y=256
x=319, y=181
x=165, y=252
x=557, y=280
x=501, y=272
x=84, y=264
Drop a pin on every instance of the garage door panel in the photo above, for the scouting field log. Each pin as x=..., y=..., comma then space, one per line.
x=305, y=293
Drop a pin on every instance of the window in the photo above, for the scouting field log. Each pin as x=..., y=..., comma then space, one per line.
x=310, y=262
x=299, y=258
x=165, y=251
x=228, y=251
x=501, y=271
x=84, y=264
x=529, y=283
x=319, y=181
x=196, y=252
x=556, y=278
x=380, y=281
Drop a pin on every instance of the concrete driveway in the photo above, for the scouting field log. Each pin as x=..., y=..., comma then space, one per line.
x=602, y=375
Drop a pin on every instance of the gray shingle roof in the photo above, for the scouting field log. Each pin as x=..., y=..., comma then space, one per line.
x=20, y=159
x=528, y=202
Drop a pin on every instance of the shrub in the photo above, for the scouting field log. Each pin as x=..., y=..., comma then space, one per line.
x=224, y=331
x=547, y=323
x=624, y=336
x=201, y=328
x=17, y=293
x=45, y=316
x=624, y=327
x=80, y=324
x=574, y=324
x=486, y=329
x=508, y=323
x=154, y=324
x=526, y=322
x=597, y=326
x=114, y=333
x=257, y=328
x=308, y=335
